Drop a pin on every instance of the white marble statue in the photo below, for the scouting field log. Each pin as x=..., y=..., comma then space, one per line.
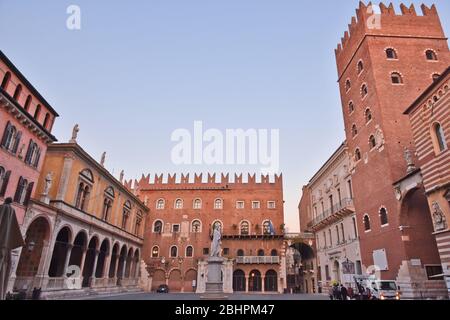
x=48, y=183
x=216, y=242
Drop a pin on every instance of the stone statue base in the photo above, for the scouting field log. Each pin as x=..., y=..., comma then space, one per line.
x=45, y=199
x=214, y=282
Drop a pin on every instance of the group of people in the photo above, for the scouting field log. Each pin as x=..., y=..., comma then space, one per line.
x=339, y=292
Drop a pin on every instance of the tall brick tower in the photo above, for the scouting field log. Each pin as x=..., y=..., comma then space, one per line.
x=384, y=63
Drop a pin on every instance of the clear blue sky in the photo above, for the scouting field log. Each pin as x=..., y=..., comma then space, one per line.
x=137, y=70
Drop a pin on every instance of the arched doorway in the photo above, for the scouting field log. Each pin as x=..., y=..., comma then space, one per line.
x=79, y=247
x=190, y=278
x=114, y=261
x=89, y=262
x=30, y=258
x=175, y=281
x=415, y=214
x=271, y=281
x=336, y=271
x=159, y=278
x=254, y=281
x=104, y=251
x=59, y=254
x=239, y=281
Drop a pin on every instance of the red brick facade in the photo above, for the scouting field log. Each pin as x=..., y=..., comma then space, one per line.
x=26, y=121
x=370, y=59
x=187, y=211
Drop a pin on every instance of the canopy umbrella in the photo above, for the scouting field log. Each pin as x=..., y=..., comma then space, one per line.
x=10, y=239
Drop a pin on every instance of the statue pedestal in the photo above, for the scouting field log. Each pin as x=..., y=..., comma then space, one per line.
x=45, y=199
x=214, y=282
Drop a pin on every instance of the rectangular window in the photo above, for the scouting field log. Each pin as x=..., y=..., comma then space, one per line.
x=240, y=204
x=434, y=272
x=323, y=208
x=331, y=239
x=355, y=230
x=226, y=251
x=205, y=251
x=271, y=205
x=331, y=203
x=339, y=196
x=350, y=189
x=256, y=205
x=175, y=228
x=358, y=267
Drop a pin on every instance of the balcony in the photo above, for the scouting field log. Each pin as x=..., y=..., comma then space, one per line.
x=257, y=260
x=339, y=210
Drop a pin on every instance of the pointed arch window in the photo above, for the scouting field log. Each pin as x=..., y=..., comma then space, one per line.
x=372, y=142
x=360, y=67
x=178, y=204
x=17, y=92
x=218, y=204
x=174, y=252
x=11, y=138
x=354, y=130
x=4, y=180
x=197, y=204
x=158, y=226
x=383, y=217
x=351, y=107
x=126, y=214
x=27, y=103
x=368, y=115
x=160, y=204
x=364, y=91
x=357, y=155
x=155, y=252
x=189, y=252
x=348, y=85
x=37, y=112
x=108, y=203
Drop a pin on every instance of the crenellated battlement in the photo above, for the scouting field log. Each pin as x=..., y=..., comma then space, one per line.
x=387, y=22
x=200, y=181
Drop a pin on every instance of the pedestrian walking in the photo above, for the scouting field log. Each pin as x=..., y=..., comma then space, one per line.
x=344, y=292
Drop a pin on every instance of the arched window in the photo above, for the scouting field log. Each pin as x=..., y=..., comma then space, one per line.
x=218, y=204
x=17, y=92
x=27, y=103
x=126, y=214
x=160, y=204
x=383, y=217
x=5, y=81
x=240, y=253
x=4, y=179
x=436, y=76
x=360, y=66
x=357, y=155
x=46, y=120
x=354, y=130
x=372, y=142
x=178, y=204
x=431, y=55
x=21, y=191
x=368, y=115
x=244, y=228
x=440, y=143
x=155, y=252
x=107, y=203
x=189, y=251
x=274, y=253
x=366, y=222
x=351, y=107
x=158, y=226
x=82, y=196
x=391, y=53
x=364, y=91
x=261, y=253
x=196, y=226
x=173, y=251
x=396, y=78
x=348, y=85
x=33, y=154
x=197, y=204
x=11, y=138
x=266, y=228
x=37, y=112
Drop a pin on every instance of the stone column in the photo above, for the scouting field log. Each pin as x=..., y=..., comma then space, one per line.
x=40, y=275
x=106, y=266
x=95, y=268
x=263, y=289
x=116, y=267
x=66, y=262
x=247, y=284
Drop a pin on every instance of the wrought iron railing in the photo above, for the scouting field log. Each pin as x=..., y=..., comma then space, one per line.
x=344, y=203
x=258, y=260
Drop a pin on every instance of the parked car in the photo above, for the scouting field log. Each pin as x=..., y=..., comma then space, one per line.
x=163, y=289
